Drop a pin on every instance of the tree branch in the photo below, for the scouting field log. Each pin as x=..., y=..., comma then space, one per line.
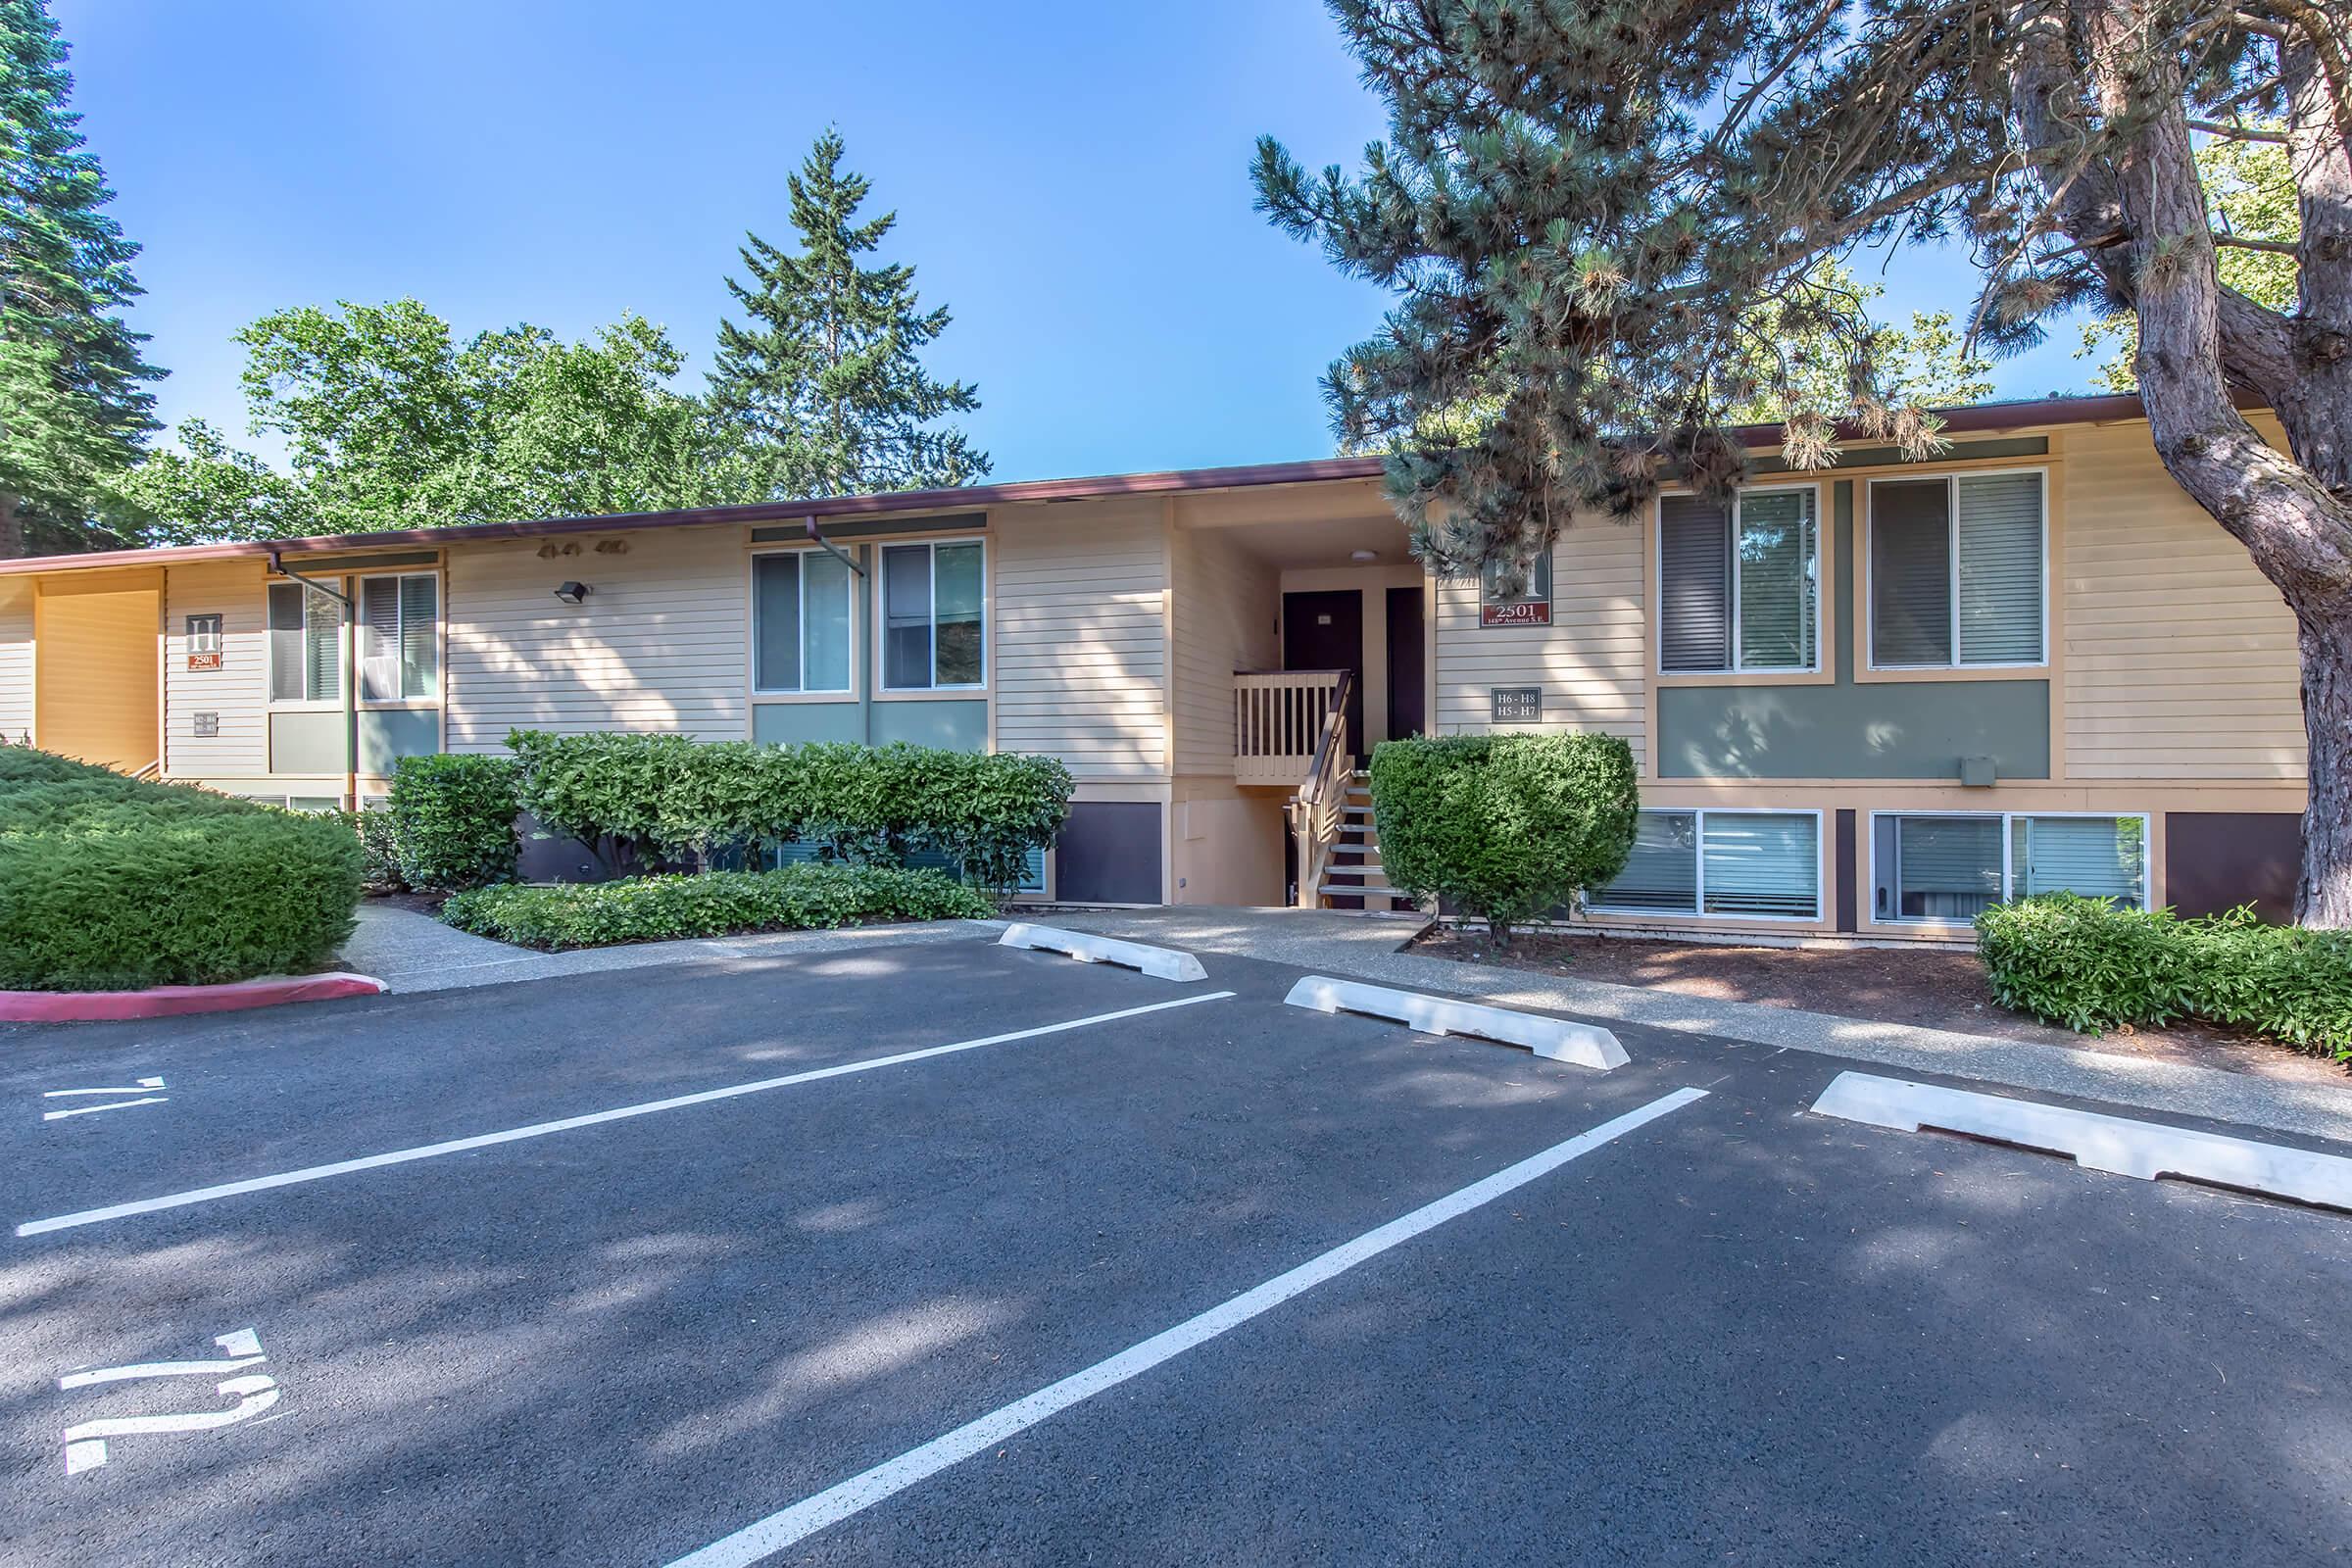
x=2237, y=133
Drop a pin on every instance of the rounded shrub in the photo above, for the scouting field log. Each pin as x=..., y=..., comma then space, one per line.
x=452, y=821
x=1504, y=827
x=109, y=883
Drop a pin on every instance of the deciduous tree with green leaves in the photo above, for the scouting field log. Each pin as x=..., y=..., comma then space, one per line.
x=822, y=385
x=390, y=422
x=74, y=405
x=1587, y=207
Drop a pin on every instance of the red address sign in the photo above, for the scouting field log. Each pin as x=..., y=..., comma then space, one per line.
x=1525, y=612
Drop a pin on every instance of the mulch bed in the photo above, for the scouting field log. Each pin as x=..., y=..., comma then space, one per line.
x=422, y=903
x=1925, y=987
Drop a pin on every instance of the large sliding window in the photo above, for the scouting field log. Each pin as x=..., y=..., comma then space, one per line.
x=306, y=643
x=1755, y=864
x=1929, y=868
x=933, y=634
x=1740, y=585
x=1957, y=572
x=801, y=623
x=400, y=637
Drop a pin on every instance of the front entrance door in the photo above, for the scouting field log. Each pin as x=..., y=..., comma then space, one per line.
x=1326, y=631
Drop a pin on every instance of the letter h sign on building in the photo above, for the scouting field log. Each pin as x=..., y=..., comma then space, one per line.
x=1530, y=607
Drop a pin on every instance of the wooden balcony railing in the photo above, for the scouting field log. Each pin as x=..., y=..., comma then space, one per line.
x=1278, y=722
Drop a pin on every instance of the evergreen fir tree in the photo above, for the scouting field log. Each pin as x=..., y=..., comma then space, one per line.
x=74, y=408
x=823, y=380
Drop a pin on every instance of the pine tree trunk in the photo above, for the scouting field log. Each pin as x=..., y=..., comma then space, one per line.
x=2294, y=520
x=11, y=528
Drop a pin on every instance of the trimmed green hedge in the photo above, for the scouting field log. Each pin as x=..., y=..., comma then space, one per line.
x=452, y=821
x=2092, y=966
x=1505, y=828
x=651, y=798
x=655, y=909
x=109, y=883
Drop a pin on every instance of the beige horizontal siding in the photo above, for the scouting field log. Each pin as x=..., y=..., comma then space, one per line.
x=15, y=658
x=1225, y=610
x=1079, y=650
x=660, y=644
x=1589, y=661
x=2180, y=659
x=238, y=691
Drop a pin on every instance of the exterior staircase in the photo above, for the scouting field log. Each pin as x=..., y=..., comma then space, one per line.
x=1355, y=879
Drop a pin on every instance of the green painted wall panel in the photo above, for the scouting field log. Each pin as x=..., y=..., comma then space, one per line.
x=957, y=726
x=1896, y=729
x=1909, y=729
x=387, y=734
x=774, y=723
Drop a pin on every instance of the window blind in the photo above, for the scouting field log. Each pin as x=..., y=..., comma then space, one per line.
x=1910, y=573
x=419, y=637
x=379, y=639
x=1694, y=585
x=2097, y=856
x=1662, y=872
x=1776, y=580
x=1947, y=867
x=1761, y=865
x=2000, y=569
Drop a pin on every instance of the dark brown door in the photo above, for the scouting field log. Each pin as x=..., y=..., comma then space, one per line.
x=1409, y=671
x=1326, y=631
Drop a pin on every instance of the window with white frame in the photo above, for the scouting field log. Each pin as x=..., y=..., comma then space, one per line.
x=933, y=635
x=1957, y=572
x=400, y=637
x=1933, y=868
x=306, y=639
x=1740, y=585
x=801, y=621
x=1756, y=864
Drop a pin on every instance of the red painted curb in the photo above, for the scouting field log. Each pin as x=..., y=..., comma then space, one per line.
x=164, y=1002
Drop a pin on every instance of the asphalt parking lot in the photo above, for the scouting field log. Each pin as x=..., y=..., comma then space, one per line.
x=953, y=1252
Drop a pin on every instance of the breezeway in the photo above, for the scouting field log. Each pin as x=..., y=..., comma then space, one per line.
x=969, y=1238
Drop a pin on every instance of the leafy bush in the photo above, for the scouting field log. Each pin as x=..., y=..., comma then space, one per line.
x=452, y=821
x=654, y=908
x=2083, y=962
x=1503, y=826
x=650, y=798
x=379, y=857
x=113, y=883
x=2092, y=966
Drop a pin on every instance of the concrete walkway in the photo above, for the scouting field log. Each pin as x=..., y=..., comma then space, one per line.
x=411, y=950
x=1366, y=947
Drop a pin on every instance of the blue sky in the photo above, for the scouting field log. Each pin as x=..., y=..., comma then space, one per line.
x=1071, y=178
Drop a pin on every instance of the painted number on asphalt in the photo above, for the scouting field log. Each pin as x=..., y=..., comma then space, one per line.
x=253, y=1392
x=139, y=1089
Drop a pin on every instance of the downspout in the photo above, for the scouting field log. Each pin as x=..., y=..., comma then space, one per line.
x=350, y=677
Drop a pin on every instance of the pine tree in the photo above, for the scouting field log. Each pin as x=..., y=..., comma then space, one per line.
x=823, y=380
x=1590, y=208
x=74, y=408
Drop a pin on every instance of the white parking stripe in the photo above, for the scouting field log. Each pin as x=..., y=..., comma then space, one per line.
x=459, y=1146
x=2117, y=1145
x=862, y=1492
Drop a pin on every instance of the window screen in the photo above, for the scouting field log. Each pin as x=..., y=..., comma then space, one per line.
x=1776, y=580
x=2097, y=856
x=906, y=616
x=1911, y=572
